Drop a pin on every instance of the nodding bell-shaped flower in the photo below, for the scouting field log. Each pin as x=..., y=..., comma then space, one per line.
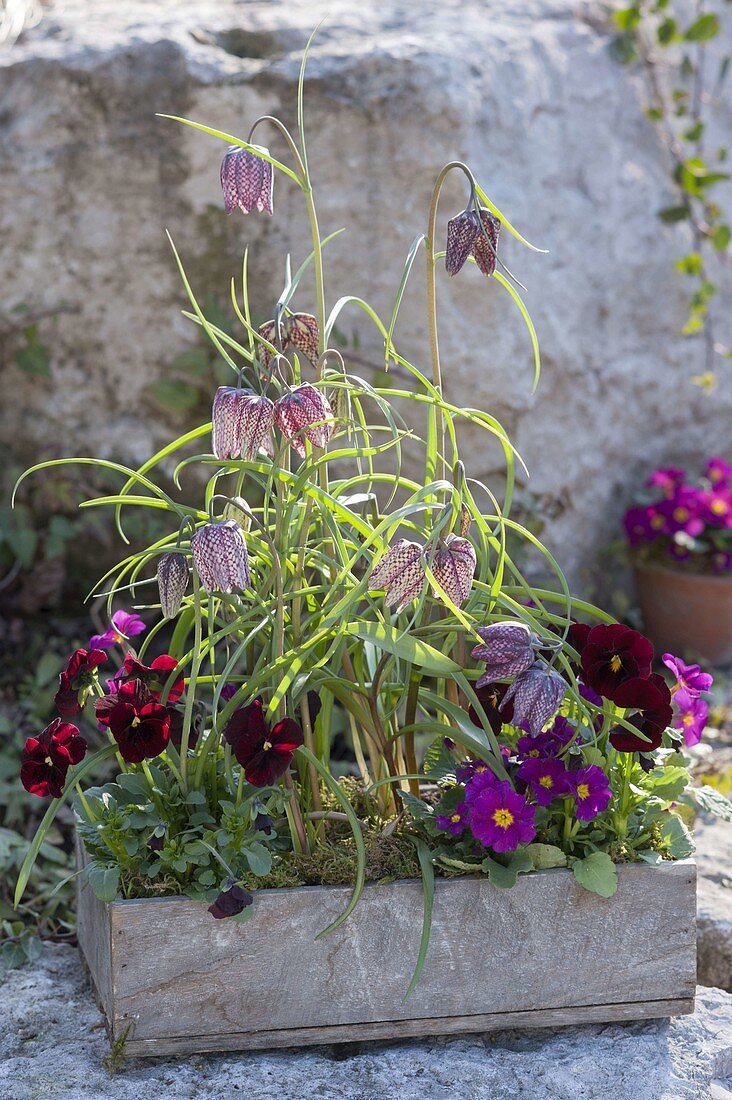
x=241, y=423
x=246, y=180
x=486, y=243
x=536, y=694
x=220, y=557
x=462, y=233
x=299, y=330
x=454, y=567
x=172, y=583
x=507, y=649
x=401, y=573
x=305, y=413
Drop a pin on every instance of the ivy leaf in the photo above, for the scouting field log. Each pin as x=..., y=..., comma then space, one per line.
x=597, y=873
x=710, y=800
x=676, y=838
x=545, y=855
x=439, y=763
x=504, y=877
x=103, y=880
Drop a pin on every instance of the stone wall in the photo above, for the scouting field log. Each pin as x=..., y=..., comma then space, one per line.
x=523, y=90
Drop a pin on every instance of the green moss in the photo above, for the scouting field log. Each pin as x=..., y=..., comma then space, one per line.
x=333, y=863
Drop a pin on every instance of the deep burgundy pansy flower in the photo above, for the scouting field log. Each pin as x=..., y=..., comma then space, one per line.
x=649, y=704
x=139, y=724
x=613, y=654
x=264, y=753
x=46, y=759
x=491, y=697
x=154, y=676
x=232, y=900
x=74, y=683
x=247, y=180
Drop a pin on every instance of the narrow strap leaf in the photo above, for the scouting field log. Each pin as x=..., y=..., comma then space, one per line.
x=424, y=856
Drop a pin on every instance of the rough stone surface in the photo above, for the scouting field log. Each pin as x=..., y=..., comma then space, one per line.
x=52, y=1045
x=524, y=90
x=714, y=907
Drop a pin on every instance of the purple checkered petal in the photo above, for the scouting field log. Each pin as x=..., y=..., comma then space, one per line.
x=302, y=333
x=454, y=567
x=220, y=557
x=246, y=181
x=486, y=243
x=298, y=415
x=257, y=420
x=536, y=694
x=462, y=232
x=400, y=573
x=503, y=642
x=172, y=583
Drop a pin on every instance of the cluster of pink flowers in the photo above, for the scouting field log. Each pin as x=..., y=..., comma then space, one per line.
x=685, y=520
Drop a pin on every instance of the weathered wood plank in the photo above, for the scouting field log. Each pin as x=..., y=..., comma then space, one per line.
x=545, y=947
x=94, y=934
x=409, y=1029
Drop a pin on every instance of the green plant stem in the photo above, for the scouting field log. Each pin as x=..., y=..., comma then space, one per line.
x=191, y=689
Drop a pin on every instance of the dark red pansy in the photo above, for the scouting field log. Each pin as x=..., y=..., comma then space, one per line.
x=46, y=759
x=263, y=753
x=614, y=654
x=154, y=676
x=76, y=679
x=491, y=697
x=176, y=728
x=650, y=700
x=230, y=902
x=138, y=722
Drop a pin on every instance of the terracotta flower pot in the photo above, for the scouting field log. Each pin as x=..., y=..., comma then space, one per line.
x=687, y=613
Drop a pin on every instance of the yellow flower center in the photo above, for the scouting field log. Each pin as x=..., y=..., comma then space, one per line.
x=688, y=719
x=657, y=522
x=117, y=637
x=533, y=752
x=546, y=781
x=48, y=761
x=135, y=722
x=615, y=663
x=480, y=768
x=681, y=515
x=455, y=817
x=503, y=818
x=719, y=507
x=266, y=746
x=582, y=790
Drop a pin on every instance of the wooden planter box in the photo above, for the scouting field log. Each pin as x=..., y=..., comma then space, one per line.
x=545, y=953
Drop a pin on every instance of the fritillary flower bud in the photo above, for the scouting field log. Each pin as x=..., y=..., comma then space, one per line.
x=454, y=567
x=401, y=573
x=246, y=180
x=301, y=331
x=486, y=243
x=242, y=421
x=220, y=557
x=305, y=413
x=536, y=694
x=506, y=648
x=462, y=232
x=172, y=583
x=239, y=510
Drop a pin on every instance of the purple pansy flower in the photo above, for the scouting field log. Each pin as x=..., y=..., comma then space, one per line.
x=124, y=625
x=688, y=677
x=692, y=716
x=456, y=822
x=501, y=819
x=591, y=790
x=546, y=778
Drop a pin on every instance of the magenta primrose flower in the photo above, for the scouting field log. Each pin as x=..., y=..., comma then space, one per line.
x=691, y=717
x=501, y=819
x=688, y=677
x=547, y=743
x=591, y=790
x=456, y=822
x=718, y=471
x=668, y=479
x=124, y=625
x=716, y=507
x=682, y=511
x=546, y=778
